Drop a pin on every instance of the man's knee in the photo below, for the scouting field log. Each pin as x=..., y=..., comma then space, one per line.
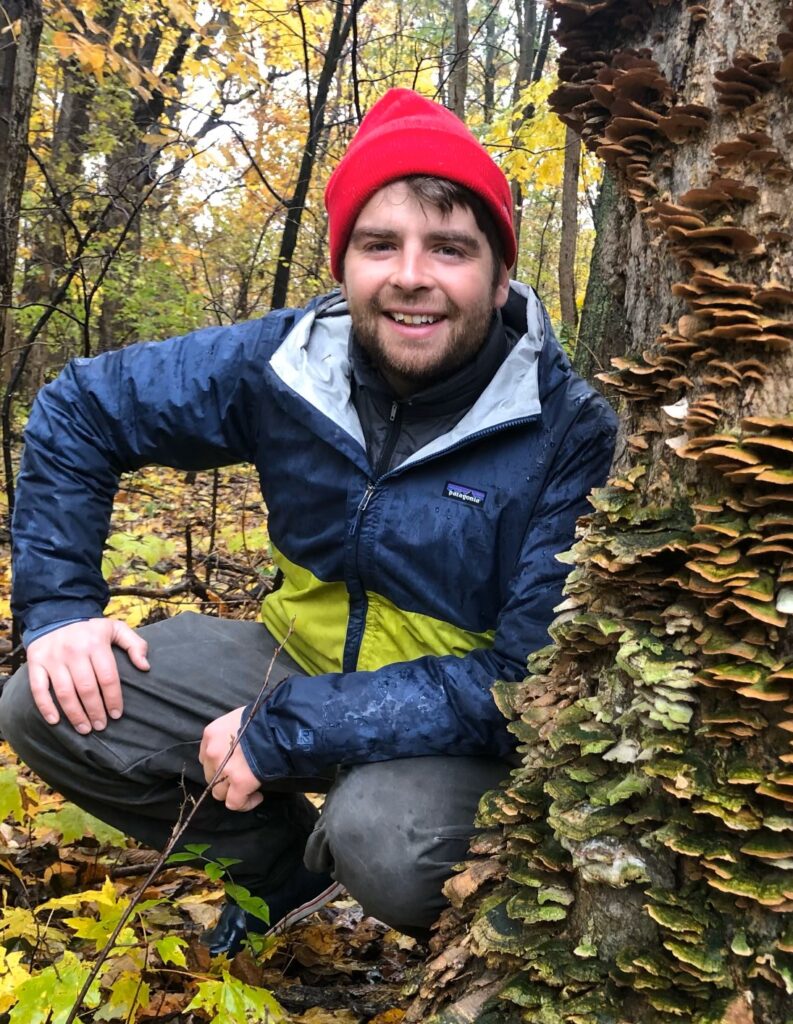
x=19, y=715
x=392, y=832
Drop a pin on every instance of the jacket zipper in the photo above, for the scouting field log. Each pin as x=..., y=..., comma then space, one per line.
x=351, y=655
x=371, y=487
x=395, y=419
x=362, y=506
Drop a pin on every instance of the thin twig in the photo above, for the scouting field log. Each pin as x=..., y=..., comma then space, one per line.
x=178, y=831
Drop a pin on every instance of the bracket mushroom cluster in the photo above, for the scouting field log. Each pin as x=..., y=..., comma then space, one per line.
x=656, y=734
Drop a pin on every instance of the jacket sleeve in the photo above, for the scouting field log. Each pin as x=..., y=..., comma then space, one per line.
x=440, y=705
x=187, y=402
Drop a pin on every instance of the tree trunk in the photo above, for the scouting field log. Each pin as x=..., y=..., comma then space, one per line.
x=604, y=332
x=526, y=17
x=458, y=76
x=569, y=233
x=342, y=25
x=638, y=866
x=491, y=43
x=17, y=78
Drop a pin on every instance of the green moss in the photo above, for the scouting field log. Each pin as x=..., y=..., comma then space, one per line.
x=614, y=790
x=583, y=821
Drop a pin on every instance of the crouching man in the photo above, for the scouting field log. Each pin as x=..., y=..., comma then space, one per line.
x=424, y=450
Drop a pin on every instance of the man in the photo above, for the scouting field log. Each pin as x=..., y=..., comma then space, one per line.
x=424, y=450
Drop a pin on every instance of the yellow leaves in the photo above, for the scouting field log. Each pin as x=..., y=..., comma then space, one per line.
x=92, y=57
x=230, y=1001
x=182, y=14
x=534, y=150
x=105, y=897
x=12, y=974
x=18, y=923
x=12, y=28
x=171, y=950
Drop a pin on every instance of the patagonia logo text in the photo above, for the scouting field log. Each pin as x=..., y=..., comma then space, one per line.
x=461, y=492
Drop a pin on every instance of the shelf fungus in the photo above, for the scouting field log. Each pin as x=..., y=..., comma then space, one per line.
x=656, y=732
x=745, y=81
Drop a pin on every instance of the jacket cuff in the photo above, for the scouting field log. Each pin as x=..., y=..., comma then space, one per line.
x=260, y=748
x=33, y=634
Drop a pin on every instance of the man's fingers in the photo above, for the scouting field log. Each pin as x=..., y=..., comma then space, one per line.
x=106, y=673
x=66, y=696
x=89, y=692
x=40, y=688
x=240, y=800
x=133, y=643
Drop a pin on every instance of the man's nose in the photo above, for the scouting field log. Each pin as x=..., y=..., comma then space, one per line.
x=411, y=269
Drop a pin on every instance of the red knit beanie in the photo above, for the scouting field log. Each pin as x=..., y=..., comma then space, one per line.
x=406, y=134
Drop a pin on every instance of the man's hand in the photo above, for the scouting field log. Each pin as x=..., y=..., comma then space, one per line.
x=238, y=787
x=77, y=662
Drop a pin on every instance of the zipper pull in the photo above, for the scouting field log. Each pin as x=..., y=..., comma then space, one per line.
x=367, y=494
x=394, y=410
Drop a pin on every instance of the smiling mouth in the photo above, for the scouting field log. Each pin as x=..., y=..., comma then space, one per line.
x=415, y=319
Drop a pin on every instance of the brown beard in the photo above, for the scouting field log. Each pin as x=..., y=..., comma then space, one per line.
x=410, y=375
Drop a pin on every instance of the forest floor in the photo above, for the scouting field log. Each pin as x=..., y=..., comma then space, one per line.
x=178, y=542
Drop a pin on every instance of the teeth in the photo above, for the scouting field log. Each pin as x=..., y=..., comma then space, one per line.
x=419, y=318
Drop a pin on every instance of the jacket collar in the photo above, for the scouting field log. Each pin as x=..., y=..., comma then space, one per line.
x=443, y=397
x=314, y=362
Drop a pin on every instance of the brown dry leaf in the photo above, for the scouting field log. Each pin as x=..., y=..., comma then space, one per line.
x=318, y=1016
x=316, y=943
x=163, y=1005
x=394, y=1016
x=202, y=908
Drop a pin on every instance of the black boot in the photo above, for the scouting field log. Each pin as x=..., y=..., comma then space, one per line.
x=298, y=897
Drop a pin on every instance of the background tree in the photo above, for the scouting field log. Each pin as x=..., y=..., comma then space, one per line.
x=639, y=865
x=19, y=44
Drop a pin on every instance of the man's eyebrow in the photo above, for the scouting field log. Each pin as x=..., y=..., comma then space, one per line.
x=462, y=238
x=373, y=234
x=450, y=237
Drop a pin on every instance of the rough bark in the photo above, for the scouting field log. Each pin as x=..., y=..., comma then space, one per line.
x=17, y=79
x=458, y=75
x=638, y=866
x=604, y=332
x=491, y=43
x=569, y=232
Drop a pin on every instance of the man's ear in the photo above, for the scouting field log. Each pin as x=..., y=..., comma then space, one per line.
x=343, y=290
x=501, y=290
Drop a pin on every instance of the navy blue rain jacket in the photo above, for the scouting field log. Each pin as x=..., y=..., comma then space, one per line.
x=409, y=593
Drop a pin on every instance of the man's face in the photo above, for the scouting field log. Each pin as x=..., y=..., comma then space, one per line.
x=419, y=287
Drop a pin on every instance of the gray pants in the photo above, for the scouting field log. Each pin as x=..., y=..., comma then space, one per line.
x=390, y=832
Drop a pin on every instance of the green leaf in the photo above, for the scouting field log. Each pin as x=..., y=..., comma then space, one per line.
x=10, y=795
x=197, y=849
x=74, y=823
x=231, y=1001
x=127, y=994
x=48, y=996
x=170, y=950
x=214, y=871
x=250, y=904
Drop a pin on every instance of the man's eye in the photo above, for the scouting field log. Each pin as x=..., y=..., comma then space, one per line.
x=379, y=246
x=450, y=250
